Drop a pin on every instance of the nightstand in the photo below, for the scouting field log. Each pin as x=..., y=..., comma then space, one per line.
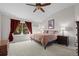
x=62, y=40
x=3, y=47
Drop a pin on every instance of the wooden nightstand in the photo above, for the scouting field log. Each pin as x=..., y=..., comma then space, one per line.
x=63, y=40
x=3, y=47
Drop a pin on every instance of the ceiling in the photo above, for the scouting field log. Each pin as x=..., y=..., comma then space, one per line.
x=26, y=12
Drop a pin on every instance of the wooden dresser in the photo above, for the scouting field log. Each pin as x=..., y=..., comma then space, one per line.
x=62, y=40
x=3, y=47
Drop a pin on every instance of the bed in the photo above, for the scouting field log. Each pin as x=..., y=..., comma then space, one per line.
x=45, y=37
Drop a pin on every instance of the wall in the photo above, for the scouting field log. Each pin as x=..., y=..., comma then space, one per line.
x=5, y=28
x=0, y=26
x=35, y=27
x=65, y=17
x=77, y=12
x=5, y=25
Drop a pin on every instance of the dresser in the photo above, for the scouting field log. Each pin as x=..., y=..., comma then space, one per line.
x=62, y=40
x=3, y=47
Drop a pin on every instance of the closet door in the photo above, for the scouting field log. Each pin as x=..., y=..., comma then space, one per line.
x=78, y=35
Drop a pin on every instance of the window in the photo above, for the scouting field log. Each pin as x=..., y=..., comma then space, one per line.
x=21, y=28
x=18, y=29
x=25, y=29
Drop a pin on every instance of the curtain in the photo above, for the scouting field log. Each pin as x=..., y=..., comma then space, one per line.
x=29, y=25
x=13, y=25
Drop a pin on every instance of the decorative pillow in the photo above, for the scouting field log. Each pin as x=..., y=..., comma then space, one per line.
x=50, y=31
x=46, y=31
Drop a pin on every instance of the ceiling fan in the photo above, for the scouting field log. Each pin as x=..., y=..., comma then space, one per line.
x=39, y=6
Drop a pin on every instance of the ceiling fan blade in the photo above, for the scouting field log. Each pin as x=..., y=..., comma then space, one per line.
x=38, y=4
x=34, y=10
x=42, y=9
x=45, y=4
x=30, y=4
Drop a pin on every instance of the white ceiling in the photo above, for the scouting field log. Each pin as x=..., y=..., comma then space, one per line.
x=26, y=12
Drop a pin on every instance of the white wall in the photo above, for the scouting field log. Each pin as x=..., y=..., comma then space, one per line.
x=65, y=16
x=5, y=27
x=77, y=12
x=0, y=26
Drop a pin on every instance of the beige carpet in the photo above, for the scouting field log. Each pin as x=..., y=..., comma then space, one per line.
x=31, y=48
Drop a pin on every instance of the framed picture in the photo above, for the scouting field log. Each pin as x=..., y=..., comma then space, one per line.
x=51, y=24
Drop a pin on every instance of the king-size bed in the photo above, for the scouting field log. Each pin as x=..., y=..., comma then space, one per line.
x=45, y=37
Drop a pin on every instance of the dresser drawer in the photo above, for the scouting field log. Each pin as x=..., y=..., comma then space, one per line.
x=63, y=40
x=3, y=48
x=3, y=53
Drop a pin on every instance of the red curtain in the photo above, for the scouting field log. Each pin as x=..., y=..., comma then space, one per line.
x=13, y=26
x=29, y=25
